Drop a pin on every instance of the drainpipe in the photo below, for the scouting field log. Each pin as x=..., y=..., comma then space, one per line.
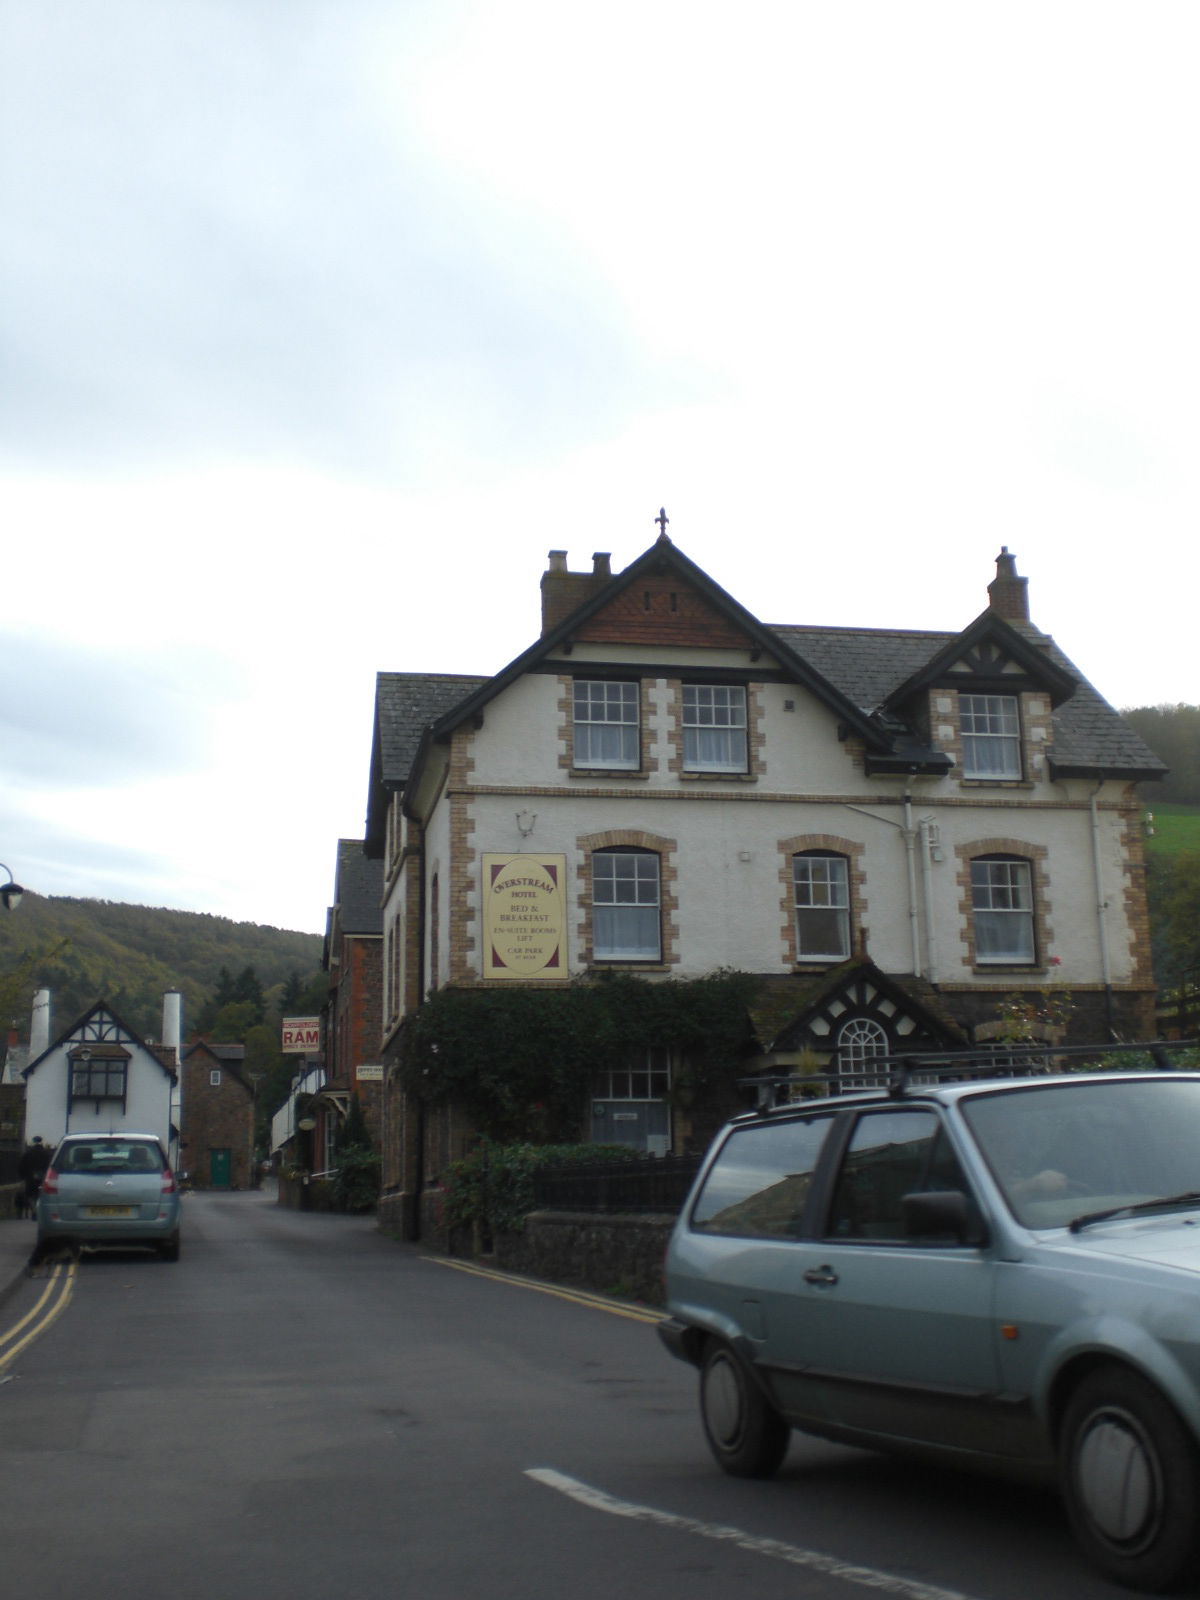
x=928, y=829
x=419, y=1174
x=910, y=841
x=906, y=829
x=1101, y=909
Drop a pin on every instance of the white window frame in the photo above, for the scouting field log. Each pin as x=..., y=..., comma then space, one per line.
x=859, y=1041
x=607, y=724
x=626, y=905
x=714, y=717
x=646, y=1077
x=991, y=736
x=1002, y=909
x=821, y=885
x=214, y=1077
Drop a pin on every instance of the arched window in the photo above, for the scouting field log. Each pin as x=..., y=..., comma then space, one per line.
x=822, y=885
x=859, y=1041
x=1002, y=908
x=626, y=924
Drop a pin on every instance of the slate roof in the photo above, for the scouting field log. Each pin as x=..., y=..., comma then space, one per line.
x=406, y=703
x=856, y=671
x=869, y=664
x=359, y=889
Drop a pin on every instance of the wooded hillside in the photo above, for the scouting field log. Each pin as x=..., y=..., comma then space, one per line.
x=1173, y=733
x=130, y=955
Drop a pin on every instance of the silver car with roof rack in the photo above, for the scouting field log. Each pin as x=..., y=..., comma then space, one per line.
x=1002, y=1272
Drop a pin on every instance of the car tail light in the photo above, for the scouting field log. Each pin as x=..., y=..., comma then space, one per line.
x=168, y=1181
x=50, y=1181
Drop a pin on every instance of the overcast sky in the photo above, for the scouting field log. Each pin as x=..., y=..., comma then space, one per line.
x=324, y=320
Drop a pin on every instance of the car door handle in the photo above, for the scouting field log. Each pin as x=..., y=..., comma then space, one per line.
x=820, y=1275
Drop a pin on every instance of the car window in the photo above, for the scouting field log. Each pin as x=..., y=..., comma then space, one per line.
x=758, y=1185
x=890, y=1154
x=109, y=1156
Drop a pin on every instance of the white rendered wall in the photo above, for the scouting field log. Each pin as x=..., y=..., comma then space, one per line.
x=147, y=1110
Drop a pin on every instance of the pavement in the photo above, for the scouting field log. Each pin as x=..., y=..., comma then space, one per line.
x=16, y=1244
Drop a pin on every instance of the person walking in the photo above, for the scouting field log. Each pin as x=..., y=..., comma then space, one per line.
x=31, y=1169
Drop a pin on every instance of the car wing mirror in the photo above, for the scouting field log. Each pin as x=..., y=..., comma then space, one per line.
x=945, y=1215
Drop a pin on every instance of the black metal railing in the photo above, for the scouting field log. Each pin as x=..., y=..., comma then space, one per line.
x=644, y=1184
x=999, y=1060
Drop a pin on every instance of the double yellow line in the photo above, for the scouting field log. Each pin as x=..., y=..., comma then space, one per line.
x=55, y=1298
x=579, y=1297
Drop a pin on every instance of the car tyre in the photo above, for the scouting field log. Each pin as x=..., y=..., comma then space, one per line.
x=745, y=1433
x=169, y=1249
x=1130, y=1474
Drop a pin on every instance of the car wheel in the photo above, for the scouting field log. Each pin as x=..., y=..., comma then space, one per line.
x=1131, y=1479
x=745, y=1433
x=169, y=1248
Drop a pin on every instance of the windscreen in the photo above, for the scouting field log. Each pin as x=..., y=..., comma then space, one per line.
x=1061, y=1150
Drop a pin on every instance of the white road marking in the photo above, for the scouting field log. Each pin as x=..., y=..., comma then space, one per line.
x=815, y=1560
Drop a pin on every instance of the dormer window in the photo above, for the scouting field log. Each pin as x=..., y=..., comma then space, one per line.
x=991, y=735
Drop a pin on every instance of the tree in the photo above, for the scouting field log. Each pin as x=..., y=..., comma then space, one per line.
x=17, y=986
x=1174, y=893
x=356, y=1179
x=1173, y=733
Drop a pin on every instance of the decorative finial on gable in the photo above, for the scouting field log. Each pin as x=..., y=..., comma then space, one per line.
x=662, y=519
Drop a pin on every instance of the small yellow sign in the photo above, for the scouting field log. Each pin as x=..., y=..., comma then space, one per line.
x=524, y=917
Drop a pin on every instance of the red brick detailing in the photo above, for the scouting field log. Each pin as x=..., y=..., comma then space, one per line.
x=662, y=611
x=1137, y=914
x=836, y=846
x=668, y=874
x=460, y=879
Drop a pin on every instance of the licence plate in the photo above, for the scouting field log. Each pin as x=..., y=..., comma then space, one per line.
x=109, y=1211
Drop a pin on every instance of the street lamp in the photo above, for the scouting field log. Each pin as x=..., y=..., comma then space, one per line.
x=10, y=892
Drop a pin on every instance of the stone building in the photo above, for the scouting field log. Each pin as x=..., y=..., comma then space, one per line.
x=217, y=1117
x=352, y=1016
x=894, y=830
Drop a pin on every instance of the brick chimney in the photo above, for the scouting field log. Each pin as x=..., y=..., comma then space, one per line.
x=1008, y=595
x=564, y=592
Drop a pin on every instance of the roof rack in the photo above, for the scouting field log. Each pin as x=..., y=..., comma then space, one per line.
x=897, y=1072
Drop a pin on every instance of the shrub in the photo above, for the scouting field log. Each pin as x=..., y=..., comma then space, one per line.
x=492, y=1188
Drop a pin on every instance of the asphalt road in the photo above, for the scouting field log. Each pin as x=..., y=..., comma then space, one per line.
x=303, y=1409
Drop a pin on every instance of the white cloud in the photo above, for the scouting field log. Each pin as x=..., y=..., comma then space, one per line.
x=333, y=323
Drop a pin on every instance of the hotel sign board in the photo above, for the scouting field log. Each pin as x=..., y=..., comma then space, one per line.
x=524, y=918
x=301, y=1035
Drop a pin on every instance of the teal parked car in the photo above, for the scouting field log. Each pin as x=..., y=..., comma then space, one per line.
x=1004, y=1274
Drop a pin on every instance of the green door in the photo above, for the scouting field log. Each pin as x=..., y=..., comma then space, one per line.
x=220, y=1163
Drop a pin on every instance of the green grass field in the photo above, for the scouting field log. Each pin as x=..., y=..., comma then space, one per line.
x=1176, y=829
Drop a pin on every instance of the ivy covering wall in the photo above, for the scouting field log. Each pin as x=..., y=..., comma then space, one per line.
x=521, y=1061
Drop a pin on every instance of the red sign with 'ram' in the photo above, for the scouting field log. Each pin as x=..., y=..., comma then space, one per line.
x=301, y=1034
